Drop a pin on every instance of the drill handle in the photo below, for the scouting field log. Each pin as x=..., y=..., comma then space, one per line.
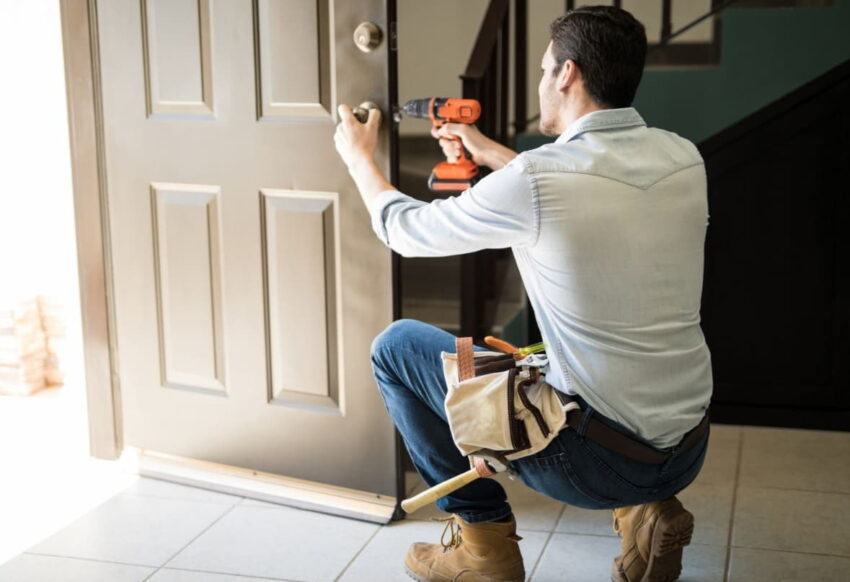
x=465, y=153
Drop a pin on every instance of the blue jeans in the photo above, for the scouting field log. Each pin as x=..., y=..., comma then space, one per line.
x=572, y=469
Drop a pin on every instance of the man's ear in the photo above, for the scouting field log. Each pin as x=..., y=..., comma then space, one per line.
x=568, y=75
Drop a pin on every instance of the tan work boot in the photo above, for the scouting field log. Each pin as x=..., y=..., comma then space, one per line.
x=475, y=552
x=653, y=537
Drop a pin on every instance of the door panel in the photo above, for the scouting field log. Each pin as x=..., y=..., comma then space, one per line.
x=187, y=258
x=300, y=249
x=248, y=284
x=178, y=61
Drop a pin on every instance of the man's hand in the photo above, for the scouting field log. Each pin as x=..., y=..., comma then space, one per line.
x=355, y=141
x=484, y=151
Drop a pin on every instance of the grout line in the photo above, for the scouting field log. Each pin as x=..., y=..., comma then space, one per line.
x=190, y=542
x=540, y=557
x=546, y=543
x=845, y=493
x=594, y=535
x=99, y=560
x=558, y=519
x=360, y=551
x=821, y=554
x=229, y=574
x=728, y=564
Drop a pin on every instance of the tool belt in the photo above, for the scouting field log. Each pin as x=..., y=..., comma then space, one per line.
x=499, y=406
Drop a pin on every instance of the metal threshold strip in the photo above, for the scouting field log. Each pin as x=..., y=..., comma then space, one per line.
x=287, y=491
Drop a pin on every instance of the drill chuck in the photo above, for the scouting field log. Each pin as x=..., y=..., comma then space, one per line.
x=419, y=107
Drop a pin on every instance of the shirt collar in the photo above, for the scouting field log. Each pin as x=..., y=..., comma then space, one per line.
x=602, y=119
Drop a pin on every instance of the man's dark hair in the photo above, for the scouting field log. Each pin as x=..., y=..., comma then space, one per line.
x=609, y=46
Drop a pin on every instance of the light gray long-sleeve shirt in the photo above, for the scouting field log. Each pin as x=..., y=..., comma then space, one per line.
x=607, y=226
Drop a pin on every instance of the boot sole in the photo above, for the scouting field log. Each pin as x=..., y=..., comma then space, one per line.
x=672, y=533
x=419, y=578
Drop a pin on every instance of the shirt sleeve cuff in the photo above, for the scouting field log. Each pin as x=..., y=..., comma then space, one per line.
x=376, y=210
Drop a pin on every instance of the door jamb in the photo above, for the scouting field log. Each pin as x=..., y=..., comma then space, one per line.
x=85, y=120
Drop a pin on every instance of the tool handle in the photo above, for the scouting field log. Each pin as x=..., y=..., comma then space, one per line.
x=501, y=345
x=439, y=490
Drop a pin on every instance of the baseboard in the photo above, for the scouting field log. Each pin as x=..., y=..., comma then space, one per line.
x=819, y=419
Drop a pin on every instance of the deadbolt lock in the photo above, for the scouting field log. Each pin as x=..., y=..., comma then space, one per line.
x=368, y=36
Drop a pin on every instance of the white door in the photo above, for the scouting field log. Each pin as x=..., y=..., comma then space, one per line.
x=248, y=285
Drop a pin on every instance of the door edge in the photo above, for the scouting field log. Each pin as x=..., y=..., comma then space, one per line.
x=85, y=121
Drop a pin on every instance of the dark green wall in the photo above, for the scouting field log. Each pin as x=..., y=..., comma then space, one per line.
x=765, y=54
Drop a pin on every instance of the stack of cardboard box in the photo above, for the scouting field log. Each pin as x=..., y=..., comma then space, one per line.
x=29, y=332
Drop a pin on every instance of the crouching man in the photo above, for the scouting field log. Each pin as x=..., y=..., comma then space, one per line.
x=607, y=226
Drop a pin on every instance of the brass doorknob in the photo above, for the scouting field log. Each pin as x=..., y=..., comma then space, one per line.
x=361, y=112
x=368, y=36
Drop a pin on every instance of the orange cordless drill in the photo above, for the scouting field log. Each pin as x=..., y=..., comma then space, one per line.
x=447, y=176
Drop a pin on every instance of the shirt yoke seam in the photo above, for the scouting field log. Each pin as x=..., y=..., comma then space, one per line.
x=648, y=186
x=535, y=201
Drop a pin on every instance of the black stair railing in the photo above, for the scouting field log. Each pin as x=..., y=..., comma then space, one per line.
x=486, y=79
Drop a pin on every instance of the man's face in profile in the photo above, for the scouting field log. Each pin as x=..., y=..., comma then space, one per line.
x=550, y=97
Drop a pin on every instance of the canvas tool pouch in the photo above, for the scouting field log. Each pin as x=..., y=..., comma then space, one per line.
x=495, y=406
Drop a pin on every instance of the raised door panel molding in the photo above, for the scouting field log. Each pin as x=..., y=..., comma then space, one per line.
x=293, y=59
x=301, y=264
x=178, y=57
x=188, y=276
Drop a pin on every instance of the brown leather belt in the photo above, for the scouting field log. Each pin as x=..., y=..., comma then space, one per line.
x=628, y=447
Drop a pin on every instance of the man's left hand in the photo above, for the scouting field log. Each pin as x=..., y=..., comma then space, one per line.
x=356, y=142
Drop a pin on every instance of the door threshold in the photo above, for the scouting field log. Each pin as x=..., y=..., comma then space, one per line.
x=298, y=493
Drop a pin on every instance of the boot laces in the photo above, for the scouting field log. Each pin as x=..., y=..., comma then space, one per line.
x=454, y=531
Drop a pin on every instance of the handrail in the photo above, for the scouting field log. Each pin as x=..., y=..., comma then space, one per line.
x=718, y=6
x=485, y=76
x=485, y=43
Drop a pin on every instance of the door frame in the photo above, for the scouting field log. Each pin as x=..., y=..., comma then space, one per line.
x=94, y=255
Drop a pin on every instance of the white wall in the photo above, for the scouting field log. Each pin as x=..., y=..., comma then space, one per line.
x=37, y=247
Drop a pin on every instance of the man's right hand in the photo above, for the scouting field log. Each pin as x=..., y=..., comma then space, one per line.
x=484, y=151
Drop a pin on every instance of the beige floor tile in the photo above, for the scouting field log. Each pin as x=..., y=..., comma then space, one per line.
x=146, y=531
x=727, y=433
x=580, y=558
x=147, y=487
x=532, y=510
x=38, y=568
x=577, y=520
x=796, y=459
x=712, y=509
x=382, y=560
x=767, y=566
x=801, y=521
x=276, y=542
x=721, y=461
